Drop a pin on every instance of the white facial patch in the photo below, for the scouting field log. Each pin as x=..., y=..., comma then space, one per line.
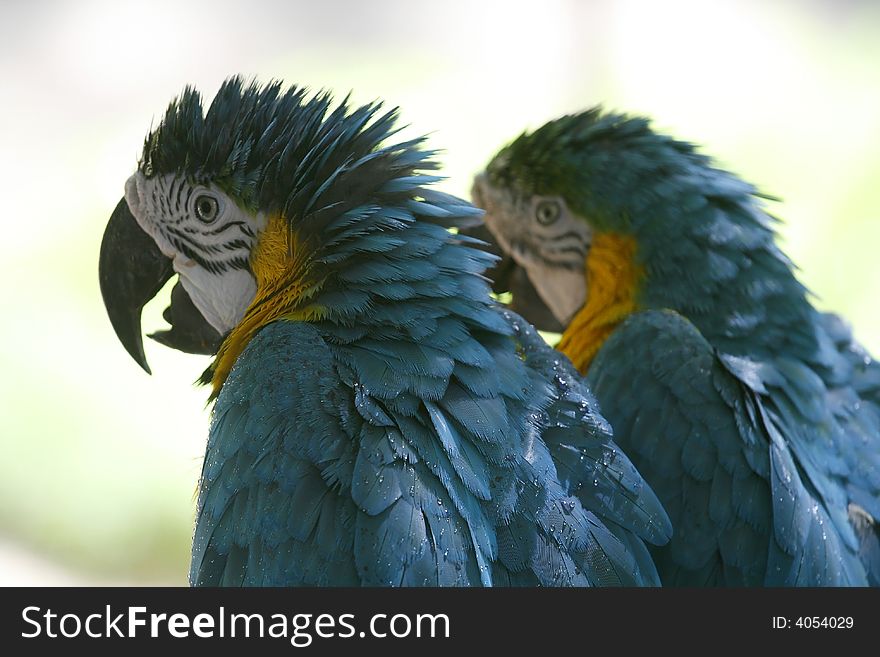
x=563, y=290
x=543, y=237
x=208, y=237
x=221, y=298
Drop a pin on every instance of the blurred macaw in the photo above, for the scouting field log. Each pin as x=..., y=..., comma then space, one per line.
x=754, y=417
x=379, y=420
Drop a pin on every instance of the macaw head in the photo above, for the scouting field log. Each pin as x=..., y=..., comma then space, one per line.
x=550, y=192
x=607, y=216
x=251, y=204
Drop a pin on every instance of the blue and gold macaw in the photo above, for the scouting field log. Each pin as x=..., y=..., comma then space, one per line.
x=378, y=419
x=754, y=417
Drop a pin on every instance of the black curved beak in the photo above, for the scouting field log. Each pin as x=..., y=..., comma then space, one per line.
x=507, y=276
x=131, y=271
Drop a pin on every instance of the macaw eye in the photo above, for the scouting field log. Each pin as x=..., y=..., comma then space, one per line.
x=547, y=212
x=207, y=208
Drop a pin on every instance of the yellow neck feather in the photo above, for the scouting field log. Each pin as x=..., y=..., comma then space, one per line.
x=280, y=266
x=612, y=282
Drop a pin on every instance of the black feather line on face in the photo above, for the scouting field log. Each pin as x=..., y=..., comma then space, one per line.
x=182, y=237
x=180, y=186
x=221, y=229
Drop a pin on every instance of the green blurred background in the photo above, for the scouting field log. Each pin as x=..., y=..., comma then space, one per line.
x=99, y=462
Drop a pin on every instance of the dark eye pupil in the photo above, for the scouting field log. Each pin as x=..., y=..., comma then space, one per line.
x=206, y=208
x=547, y=213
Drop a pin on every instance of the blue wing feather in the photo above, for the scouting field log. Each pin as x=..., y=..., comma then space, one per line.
x=747, y=490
